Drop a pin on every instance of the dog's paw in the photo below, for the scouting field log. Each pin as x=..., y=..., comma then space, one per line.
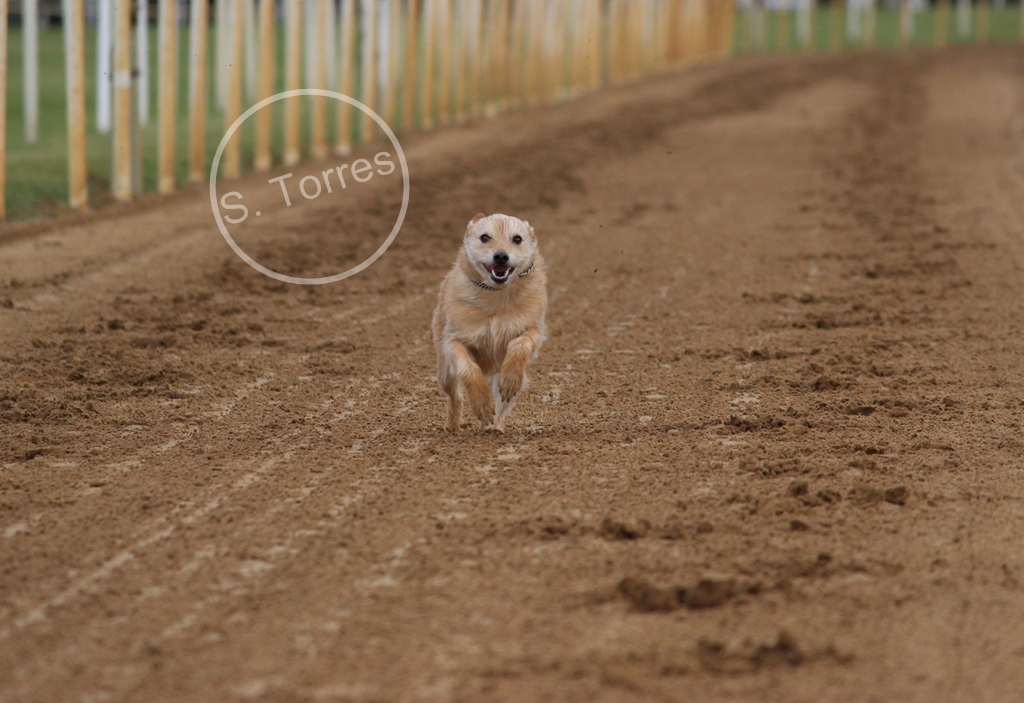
x=509, y=385
x=483, y=407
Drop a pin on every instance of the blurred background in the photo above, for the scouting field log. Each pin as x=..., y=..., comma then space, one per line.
x=107, y=100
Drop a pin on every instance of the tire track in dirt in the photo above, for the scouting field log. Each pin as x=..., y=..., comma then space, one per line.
x=159, y=531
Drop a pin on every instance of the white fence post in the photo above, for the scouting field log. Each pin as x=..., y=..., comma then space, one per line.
x=30, y=65
x=142, y=59
x=104, y=56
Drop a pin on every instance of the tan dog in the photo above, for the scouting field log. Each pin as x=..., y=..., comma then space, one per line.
x=489, y=319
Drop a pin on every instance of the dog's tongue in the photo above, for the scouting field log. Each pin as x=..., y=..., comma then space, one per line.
x=499, y=271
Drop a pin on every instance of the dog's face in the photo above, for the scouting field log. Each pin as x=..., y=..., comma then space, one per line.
x=499, y=247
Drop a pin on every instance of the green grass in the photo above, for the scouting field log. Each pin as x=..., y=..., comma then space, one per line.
x=37, y=173
x=1004, y=26
x=37, y=176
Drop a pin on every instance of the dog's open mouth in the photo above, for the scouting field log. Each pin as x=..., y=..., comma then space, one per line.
x=499, y=274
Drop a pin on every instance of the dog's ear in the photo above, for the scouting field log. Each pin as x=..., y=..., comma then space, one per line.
x=476, y=218
x=530, y=227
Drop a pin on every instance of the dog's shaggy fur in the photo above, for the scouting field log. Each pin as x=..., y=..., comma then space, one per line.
x=489, y=320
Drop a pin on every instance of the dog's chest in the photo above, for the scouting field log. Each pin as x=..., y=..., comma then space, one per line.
x=496, y=333
x=490, y=341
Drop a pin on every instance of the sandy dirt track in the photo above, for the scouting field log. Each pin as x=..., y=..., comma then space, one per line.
x=771, y=451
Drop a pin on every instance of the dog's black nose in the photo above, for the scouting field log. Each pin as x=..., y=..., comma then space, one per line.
x=501, y=258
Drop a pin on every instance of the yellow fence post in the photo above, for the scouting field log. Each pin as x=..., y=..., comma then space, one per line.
x=444, y=84
x=498, y=93
x=317, y=103
x=393, y=57
x=597, y=45
x=369, y=96
x=168, y=87
x=515, y=56
x=870, y=18
x=74, y=47
x=429, y=50
x=346, y=42
x=476, y=67
x=265, y=87
x=411, y=79
x=198, y=33
x=233, y=108
x=3, y=110
x=461, y=49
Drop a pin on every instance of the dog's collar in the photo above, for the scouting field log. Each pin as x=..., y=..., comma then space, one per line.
x=487, y=287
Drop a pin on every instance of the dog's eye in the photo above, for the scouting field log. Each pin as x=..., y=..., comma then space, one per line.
x=485, y=238
x=517, y=239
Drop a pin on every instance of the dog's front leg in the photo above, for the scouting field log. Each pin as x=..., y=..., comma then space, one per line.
x=513, y=369
x=472, y=377
x=448, y=380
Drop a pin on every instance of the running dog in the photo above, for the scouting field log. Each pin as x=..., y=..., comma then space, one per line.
x=489, y=320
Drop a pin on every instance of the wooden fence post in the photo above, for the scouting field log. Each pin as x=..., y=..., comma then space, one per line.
x=984, y=14
x=168, y=46
x=3, y=110
x=835, y=25
x=233, y=108
x=783, y=24
x=104, y=57
x=906, y=23
x=445, y=77
x=514, y=57
x=198, y=33
x=222, y=45
x=142, y=60
x=317, y=103
x=78, y=189
x=471, y=28
x=499, y=78
x=963, y=20
x=598, y=45
x=870, y=19
x=30, y=67
x=461, y=49
x=122, y=171
x=429, y=52
x=940, y=31
x=535, y=46
x=730, y=27
x=292, y=80
x=393, y=58
x=370, y=77
x=251, y=62
x=265, y=87
x=346, y=49
x=412, y=49
x=805, y=25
